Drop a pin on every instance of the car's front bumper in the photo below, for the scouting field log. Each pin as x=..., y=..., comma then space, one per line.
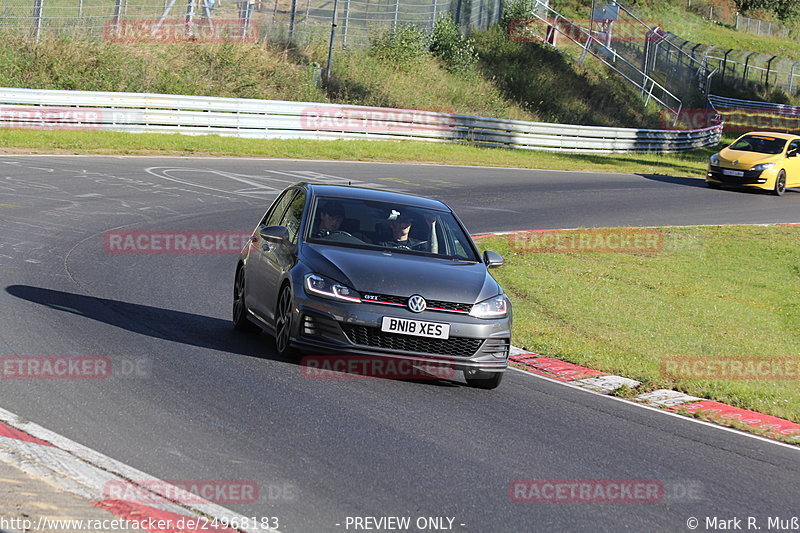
x=322, y=326
x=762, y=179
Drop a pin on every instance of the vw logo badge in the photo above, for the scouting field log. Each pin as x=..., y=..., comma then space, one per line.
x=417, y=303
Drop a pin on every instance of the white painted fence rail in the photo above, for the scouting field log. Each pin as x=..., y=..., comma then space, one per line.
x=271, y=119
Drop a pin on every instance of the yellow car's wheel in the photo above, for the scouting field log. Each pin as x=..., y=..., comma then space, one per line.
x=780, y=184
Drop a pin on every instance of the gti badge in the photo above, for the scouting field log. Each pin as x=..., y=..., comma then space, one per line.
x=417, y=303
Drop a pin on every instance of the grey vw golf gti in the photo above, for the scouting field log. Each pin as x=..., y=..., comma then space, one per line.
x=361, y=271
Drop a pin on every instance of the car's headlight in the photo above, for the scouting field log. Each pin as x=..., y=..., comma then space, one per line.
x=323, y=286
x=763, y=166
x=495, y=307
x=715, y=159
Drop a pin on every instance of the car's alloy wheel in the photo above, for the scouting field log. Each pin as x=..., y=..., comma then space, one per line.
x=240, y=321
x=780, y=184
x=481, y=379
x=283, y=322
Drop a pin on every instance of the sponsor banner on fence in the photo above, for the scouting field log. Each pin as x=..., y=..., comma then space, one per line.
x=363, y=367
x=35, y=117
x=610, y=240
x=178, y=30
x=731, y=368
x=73, y=367
x=175, y=242
x=373, y=119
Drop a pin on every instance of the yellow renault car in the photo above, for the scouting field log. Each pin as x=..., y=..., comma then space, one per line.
x=769, y=161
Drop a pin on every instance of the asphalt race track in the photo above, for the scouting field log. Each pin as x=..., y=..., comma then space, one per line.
x=201, y=402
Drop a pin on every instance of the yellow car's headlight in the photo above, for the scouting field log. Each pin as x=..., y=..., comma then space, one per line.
x=763, y=166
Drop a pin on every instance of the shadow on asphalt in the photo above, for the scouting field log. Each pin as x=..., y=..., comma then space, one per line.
x=176, y=326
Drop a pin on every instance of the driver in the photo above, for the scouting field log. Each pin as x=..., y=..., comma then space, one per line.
x=331, y=216
x=400, y=225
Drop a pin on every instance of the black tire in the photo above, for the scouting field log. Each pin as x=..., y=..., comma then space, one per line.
x=713, y=185
x=240, y=320
x=283, y=322
x=483, y=380
x=780, y=184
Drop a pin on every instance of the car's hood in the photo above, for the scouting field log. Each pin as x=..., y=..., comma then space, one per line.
x=745, y=159
x=398, y=274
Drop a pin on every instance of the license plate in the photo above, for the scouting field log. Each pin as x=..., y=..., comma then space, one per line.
x=417, y=328
x=737, y=173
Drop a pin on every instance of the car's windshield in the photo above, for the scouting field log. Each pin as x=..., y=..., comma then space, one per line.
x=388, y=226
x=763, y=144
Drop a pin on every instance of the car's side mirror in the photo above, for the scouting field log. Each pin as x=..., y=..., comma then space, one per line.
x=793, y=153
x=276, y=234
x=492, y=259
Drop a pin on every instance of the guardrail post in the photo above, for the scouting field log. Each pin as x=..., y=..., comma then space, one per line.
x=37, y=19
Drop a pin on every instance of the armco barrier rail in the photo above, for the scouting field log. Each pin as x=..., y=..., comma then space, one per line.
x=722, y=102
x=270, y=119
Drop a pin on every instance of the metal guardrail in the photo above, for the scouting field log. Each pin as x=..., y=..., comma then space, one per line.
x=271, y=119
x=723, y=102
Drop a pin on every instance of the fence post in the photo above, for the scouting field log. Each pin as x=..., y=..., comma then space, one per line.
x=190, y=16
x=37, y=19
x=346, y=20
x=433, y=18
x=769, y=67
x=117, y=12
x=396, y=13
x=292, y=17
x=330, y=46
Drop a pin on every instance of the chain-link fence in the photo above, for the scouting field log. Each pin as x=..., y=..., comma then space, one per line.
x=761, y=27
x=169, y=20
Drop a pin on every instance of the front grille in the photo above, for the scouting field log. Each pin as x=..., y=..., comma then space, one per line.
x=750, y=176
x=374, y=337
x=435, y=305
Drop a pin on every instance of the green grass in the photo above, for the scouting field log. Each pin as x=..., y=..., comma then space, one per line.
x=712, y=292
x=691, y=163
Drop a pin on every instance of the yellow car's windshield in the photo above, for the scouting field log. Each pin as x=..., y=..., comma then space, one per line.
x=759, y=143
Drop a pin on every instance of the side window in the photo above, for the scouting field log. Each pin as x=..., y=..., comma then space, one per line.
x=274, y=215
x=293, y=216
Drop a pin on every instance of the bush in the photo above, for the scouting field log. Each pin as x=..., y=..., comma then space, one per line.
x=456, y=51
x=517, y=9
x=402, y=48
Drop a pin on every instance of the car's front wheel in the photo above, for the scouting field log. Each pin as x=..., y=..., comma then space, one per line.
x=240, y=321
x=481, y=379
x=780, y=184
x=283, y=322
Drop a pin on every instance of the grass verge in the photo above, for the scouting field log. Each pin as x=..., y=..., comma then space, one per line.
x=714, y=293
x=103, y=142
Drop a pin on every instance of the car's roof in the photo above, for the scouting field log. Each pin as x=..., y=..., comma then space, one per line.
x=363, y=193
x=785, y=136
